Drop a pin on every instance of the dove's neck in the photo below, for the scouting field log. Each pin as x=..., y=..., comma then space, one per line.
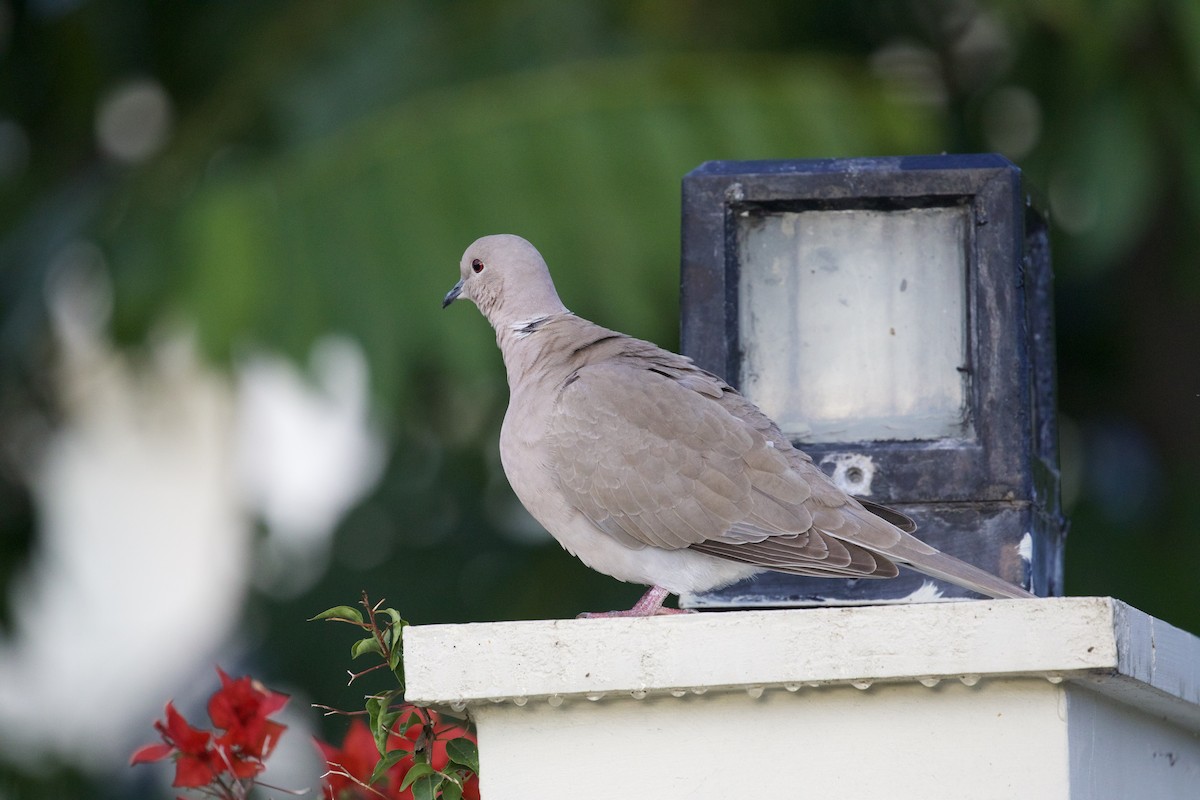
x=532, y=347
x=527, y=327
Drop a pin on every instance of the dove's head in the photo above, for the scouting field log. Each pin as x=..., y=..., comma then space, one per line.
x=506, y=277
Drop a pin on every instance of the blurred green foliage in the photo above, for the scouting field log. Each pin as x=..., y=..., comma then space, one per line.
x=328, y=162
x=356, y=232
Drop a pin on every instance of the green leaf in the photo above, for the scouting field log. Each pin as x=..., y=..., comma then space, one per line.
x=413, y=719
x=394, y=615
x=375, y=707
x=418, y=770
x=395, y=641
x=394, y=635
x=383, y=729
x=463, y=751
x=396, y=656
x=367, y=645
x=386, y=762
x=347, y=613
x=451, y=790
x=425, y=788
x=452, y=784
x=380, y=719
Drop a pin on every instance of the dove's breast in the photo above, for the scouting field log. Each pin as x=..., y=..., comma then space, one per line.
x=529, y=466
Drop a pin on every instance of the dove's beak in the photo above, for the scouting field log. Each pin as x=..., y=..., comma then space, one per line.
x=453, y=294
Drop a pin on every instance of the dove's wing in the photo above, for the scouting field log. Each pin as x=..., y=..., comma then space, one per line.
x=655, y=459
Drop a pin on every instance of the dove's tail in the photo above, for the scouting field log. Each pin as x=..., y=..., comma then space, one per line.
x=912, y=552
x=960, y=573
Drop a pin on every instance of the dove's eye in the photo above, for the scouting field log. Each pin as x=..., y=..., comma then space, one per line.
x=477, y=265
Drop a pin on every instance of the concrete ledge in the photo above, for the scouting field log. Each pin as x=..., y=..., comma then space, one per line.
x=1097, y=639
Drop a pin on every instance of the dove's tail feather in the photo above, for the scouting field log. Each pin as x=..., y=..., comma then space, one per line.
x=960, y=573
x=901, y=521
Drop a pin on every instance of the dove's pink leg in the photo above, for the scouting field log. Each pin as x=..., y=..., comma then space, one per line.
x=650, y=605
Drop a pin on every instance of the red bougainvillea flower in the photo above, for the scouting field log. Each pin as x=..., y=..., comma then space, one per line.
x=240, y=708
x=150, y=753
x=357, y=756
x=197, y=763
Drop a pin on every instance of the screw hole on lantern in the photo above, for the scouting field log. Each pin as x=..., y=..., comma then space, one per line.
x=853, y=473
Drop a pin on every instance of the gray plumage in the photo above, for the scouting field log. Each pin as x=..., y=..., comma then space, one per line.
x=654, y=471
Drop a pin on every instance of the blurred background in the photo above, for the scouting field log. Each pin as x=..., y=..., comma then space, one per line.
x=229, y=397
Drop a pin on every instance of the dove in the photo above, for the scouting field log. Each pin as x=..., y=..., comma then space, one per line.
x=654, y=471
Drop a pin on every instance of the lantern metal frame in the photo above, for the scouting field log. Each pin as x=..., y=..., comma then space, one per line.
x=990, y=496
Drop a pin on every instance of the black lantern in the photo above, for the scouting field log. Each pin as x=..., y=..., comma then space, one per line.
x=894, y=316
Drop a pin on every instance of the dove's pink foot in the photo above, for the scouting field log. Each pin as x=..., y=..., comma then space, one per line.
x=650, y=605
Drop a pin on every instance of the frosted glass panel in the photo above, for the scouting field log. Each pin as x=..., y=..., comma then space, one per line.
x=853, y=323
